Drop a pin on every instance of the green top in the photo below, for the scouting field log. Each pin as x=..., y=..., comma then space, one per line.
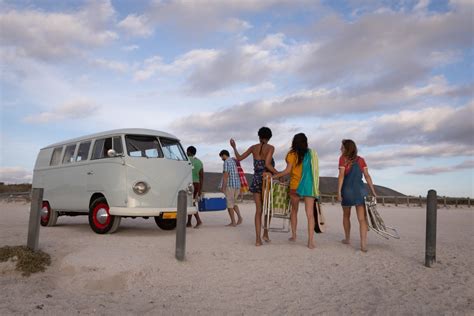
x=197, y=167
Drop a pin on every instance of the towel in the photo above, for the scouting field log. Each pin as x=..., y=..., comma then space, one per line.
x=309, y=183
x=244, y=186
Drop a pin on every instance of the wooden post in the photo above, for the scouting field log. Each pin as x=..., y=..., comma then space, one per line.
x=383, y=200
x=396, y=201
x=332, y=199
x=431, y=214
x=181, y=218
x=469, y=202
x=421, y=202
x=456, y=202
x=34, y=223
x=445, y=204
x=408, y=201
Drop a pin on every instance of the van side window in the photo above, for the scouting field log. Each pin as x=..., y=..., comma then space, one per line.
x=172, y=149
x=103, y=145
x=56, y=156
x=83, y=151
x=143, y=146
x=69, y=153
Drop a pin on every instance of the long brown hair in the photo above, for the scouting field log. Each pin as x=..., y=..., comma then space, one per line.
x=350, y=149
x=299, y=145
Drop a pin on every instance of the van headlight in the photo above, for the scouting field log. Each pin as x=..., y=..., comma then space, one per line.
x=190, y=189
x=141, y=187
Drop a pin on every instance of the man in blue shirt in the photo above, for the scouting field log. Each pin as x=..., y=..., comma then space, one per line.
x=231, y=187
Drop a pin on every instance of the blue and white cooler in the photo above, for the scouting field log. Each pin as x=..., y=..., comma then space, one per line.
x=212, y=202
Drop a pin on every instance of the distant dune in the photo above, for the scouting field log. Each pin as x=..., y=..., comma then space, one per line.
x=328, y=185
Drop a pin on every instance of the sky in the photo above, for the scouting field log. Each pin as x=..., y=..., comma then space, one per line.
x=394, y=76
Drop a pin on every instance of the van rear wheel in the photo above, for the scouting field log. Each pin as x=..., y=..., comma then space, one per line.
x=100, y=219
x=49, y=217
x=165, y=224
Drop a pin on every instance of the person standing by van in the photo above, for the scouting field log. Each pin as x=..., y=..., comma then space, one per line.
x=351, y=190
x=198, y=181
x=231, y=187
x=262, y=154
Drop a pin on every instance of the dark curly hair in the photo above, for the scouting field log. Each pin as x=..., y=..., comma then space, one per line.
x=265, y=133
x=191, y=151
x=299, y=145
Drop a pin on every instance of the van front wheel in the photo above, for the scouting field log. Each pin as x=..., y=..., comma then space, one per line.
x=49, y=217
x=100, y=219
x=165, y=224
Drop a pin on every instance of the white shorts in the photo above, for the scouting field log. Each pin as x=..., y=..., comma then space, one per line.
x=231, y=195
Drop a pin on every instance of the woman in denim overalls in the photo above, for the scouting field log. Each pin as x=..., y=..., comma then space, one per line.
x=352, y=190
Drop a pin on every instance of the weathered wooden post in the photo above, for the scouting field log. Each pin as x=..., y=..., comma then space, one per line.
x=408, y=201
x=431, y=216
x=421, y=201
x=396, y=201
x=456, y=203
x=181, y=217
x=468, y=202
x=34, y=223
x=383, y=200
x=445, y=204
x=332, y=199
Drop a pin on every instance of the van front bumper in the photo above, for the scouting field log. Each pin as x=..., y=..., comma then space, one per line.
x=146, y=211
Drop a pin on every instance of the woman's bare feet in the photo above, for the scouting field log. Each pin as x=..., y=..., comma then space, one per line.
x=363, y=248
x=231, y=225
x=292, y=238
x=265, y=236
x=346, y=241
x=311, y=245
x=258, y=242
x=239, y=221
x=198, y=224
x=189, y=225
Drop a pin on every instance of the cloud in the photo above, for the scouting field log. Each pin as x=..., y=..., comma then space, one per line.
x=195, y=18
x=111, y=65
x=137, y=25
x=51, y=36
x=130, y=48
x=324, y=103
x=70, y=111
x=467, y=164
x=386, y=50
x=15, y=175
x=429, y=125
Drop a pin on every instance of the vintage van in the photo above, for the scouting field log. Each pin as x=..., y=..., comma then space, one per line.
x=114, y=174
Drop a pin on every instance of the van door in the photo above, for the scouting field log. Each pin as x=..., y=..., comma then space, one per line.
x=106, y=174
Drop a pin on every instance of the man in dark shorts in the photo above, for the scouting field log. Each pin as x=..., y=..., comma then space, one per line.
x=198, y=180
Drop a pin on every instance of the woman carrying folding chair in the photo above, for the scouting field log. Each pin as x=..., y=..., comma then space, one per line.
x=351, y=190
x=302, y=165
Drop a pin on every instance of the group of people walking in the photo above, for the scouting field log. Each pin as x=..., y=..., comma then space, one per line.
x=303, y=170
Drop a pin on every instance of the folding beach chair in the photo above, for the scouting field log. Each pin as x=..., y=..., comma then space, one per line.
x=375, y=221
x=276, y=203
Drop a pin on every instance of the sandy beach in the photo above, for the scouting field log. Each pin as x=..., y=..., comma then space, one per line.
x=134, y=271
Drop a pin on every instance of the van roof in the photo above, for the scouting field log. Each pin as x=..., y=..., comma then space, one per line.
x=136, y=131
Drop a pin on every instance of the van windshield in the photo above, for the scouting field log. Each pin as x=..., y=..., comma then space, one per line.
x=143, y=146
x=172, y=149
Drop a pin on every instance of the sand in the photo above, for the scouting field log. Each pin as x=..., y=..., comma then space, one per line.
x=134, y=271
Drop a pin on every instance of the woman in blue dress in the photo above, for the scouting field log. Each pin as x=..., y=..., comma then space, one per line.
x=352, y=190
x=262, y=154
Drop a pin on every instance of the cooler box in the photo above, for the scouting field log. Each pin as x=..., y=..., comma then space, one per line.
x=212, y=202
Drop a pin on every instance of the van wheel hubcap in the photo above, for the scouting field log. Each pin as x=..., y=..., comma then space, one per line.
x=102, y=215
x=44, y=213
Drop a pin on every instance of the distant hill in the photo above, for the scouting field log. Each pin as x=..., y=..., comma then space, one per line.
x=327, y=185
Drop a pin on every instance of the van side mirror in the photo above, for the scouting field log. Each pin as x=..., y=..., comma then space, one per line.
x=111, y=153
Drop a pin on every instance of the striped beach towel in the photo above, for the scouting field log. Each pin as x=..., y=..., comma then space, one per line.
x=244, y=186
